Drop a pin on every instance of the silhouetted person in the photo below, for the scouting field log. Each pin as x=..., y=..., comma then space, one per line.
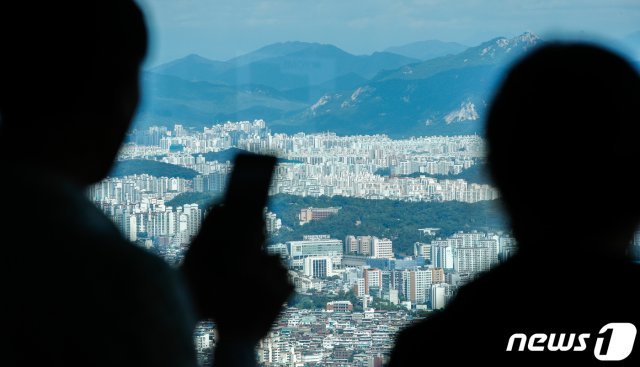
x=74, y=291
x=563, y=150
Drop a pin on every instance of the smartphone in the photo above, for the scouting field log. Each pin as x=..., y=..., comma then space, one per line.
x=248, y=188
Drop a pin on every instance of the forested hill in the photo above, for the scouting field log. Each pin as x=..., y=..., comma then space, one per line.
x=396, y=220
x=149, y=167
x=393, y=219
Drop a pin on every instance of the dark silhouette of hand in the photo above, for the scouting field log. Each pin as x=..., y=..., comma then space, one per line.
x=232, y=280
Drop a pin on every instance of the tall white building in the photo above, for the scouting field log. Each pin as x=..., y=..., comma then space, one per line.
x=439, y=296
x=127, y=223
x=194, y=218
x=382, y=248
x=442, y=254
x=420, y=281
x=372, y=278
x=493, y=243
x=472, y=259
x=318, y=267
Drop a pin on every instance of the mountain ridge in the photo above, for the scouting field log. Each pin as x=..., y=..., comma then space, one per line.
x=494, y=51
x=286, y=65
x=447, y=95
x=428, y=49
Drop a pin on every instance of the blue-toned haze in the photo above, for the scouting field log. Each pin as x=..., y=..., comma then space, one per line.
x=376, y=109
x=221, y=30
x=402, y=68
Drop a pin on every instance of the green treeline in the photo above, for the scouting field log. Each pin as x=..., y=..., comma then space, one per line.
x=396, y=220
x=149, y=167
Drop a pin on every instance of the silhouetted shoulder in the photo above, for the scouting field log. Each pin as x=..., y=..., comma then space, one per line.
x=524, y=296
x=84, y=284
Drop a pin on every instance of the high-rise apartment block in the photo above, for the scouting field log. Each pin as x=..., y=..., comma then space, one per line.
x=379, y=248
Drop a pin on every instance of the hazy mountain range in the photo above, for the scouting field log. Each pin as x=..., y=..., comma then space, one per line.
x=425, y=50
x=422, y=88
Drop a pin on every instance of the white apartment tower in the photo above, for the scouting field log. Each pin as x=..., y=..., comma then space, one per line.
x=382, y=248
x=439, y=296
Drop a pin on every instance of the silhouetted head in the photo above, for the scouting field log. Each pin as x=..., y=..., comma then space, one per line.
x=69, y=82
x=563, y=147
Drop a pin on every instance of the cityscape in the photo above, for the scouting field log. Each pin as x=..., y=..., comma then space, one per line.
x=391, y=125
x=324, y=164
x=353, y=294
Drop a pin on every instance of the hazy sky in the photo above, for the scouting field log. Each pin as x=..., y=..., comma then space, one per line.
x=223, y=29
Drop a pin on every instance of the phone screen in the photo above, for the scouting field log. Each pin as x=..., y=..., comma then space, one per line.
x=248, y=188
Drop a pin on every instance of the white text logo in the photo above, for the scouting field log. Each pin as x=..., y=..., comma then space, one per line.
x=614, y=342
